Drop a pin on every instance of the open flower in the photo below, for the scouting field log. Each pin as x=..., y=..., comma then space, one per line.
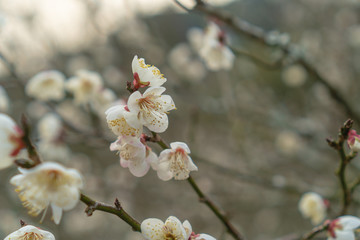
x=85, y=85
x=146, y=75
x=29, y=232
x=353, y=141
x=117, y=123
x=47, y=85
x=155, y=229
x=10, y=140
x=149, y=109
x=50, y=127
x=343, y=228
x=134, y=155
x=313, y=206
x=211, y=46
x=175, y=162
x=48, y=184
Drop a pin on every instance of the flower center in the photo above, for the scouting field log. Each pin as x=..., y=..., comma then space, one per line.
x=47, y=82
x=168, y=234
x=178, y=163
x=126, y=152
x=149, y=103
x=32, y=236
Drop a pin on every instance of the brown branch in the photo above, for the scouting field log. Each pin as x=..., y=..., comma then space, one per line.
x=205, y=199
x=316, y=231
x=117, y=210
x=259, y=35
x=344, y=161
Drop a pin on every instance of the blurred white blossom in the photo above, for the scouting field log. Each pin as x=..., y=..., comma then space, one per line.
x=47, y=85
x=149, y=109
x=103, y=100
x=50, y=127
x=294, y=76
x=175, y=162
x=4, y=100
x=10, y=139
x=134, y=155
x=155, y=229
x=30, y=232
x=313, y=206
x=48, y=184
x=343, y=228
x=212, y=48
x=85, y=85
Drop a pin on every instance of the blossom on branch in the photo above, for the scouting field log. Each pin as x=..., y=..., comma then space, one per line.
x=212, y=48
x=155, y=229
x=313, y=206
x=30, y=232
x=47, y=85
x=10, y=139
x=353, y=141
x=115, y=117
x=175, y=162
x=149, y=109
x=343, y=228
x=85, y=85
x=146, y=75
x=134, y=155
x=48, y=184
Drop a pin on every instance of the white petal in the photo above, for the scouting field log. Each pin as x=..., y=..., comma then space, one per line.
x=188, y=228
x=191, y=165
x=349, y=222
x=139, y=168
x=205, y=237
x=168, y=103
x=151, y=229
x=345, y=235
x=132, y=119
x=57, y=213
x=175, y=145
x=176, y=226
x=154, y=90
x=133, y=102
x=163, y=171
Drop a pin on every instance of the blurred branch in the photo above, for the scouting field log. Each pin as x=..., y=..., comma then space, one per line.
x=117, y=210
x=344, y=161
x=316, y=231
x=259, y=35
x=203, y=198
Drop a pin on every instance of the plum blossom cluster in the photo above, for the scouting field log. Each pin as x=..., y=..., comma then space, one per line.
x=43, y=185
x=155, y=229
x=86, y=86
x=148, y=109
x=211, y=47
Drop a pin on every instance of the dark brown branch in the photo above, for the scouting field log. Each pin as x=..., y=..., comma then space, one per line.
x=259, y=35
x=316, y=231
x=117, y=210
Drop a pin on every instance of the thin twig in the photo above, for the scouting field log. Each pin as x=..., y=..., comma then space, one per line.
x=316, y=231
x=205, y=199
x=259, y=35
x=117, y=210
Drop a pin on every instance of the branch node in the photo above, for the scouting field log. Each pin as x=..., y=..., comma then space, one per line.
x=117, y=204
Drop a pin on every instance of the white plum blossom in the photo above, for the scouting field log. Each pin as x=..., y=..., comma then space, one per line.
x=175, y=162
x=4, y=100
x=85, y=85
x=343, y=228
x=117, y=123
x=313, y=206
x=211, y=46
x=46, y=85
x=155, y=229
x=30, y=232
x=134, y=155
x=48, y=184
x=149, y=109
x=50, y=127
x=353, y=141
x=146, y=75
x=10, y=140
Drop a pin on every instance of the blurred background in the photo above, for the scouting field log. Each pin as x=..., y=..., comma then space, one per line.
x=256, y=134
